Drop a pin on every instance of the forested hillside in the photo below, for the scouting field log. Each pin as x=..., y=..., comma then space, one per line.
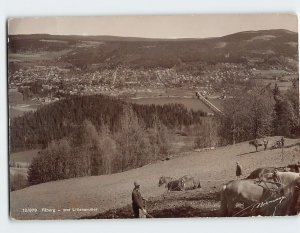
x=60, y=119
x=106, y=52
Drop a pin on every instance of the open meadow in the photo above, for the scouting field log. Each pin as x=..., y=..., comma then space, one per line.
x=94, y=196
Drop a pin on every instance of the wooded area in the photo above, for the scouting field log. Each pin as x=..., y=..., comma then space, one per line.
x=61, y=119
x=95, y=135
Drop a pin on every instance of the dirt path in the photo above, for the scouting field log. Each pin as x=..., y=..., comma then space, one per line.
x=103, y=193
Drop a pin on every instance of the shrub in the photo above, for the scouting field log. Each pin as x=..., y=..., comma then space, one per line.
x=207, y=134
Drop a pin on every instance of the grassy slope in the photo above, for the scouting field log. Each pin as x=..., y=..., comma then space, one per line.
x=114, y=191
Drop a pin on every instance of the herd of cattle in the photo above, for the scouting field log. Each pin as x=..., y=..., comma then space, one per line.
x=264, y=187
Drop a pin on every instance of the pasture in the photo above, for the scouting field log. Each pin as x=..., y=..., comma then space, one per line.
x=270, y=74
x=16, y=171
x=281, y=77
x=20, y=161
x=187, y=97
x=23, y=156
x=111, y=194
x=17, y=106
x=34, y=57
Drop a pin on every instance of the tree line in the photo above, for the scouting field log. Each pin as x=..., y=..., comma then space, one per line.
x=261, y=112
x=90, y=151
x=60, y=119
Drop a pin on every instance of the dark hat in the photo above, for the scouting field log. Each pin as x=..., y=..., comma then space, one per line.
x=136, y=184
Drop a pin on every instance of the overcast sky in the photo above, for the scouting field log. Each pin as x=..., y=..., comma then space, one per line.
x=180, y=26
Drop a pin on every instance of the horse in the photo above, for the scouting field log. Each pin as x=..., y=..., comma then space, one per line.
x=179, y=184
x=255, y=143
x=295, y=201
x=282, y=178
x=257, y=173
x=294, y=168
x=164, y=180
x=270, y=196
x=172, y=184
x=290, y=184
x=183, y=183
x=245, y=191
x=190, y=183
x=288, y=204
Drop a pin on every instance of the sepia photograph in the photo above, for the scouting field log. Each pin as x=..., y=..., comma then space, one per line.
x=153, y=116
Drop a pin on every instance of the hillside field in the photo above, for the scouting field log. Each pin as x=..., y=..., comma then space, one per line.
x=111, y=192
x=23, y=157
x=17, y=106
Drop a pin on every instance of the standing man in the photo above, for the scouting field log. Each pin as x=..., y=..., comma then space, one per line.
x=238, y=171
x=282, y=145
x=256, y=144
x=282, y=141
x=137, y=201
x=265, y=143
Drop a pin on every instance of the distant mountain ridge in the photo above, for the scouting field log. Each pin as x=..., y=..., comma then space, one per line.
x=111, y=51
x=123, y=38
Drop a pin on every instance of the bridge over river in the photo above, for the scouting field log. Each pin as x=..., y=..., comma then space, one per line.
x=208, y=103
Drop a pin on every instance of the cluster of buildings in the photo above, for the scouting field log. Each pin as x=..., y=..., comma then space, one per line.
x=50, y=83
